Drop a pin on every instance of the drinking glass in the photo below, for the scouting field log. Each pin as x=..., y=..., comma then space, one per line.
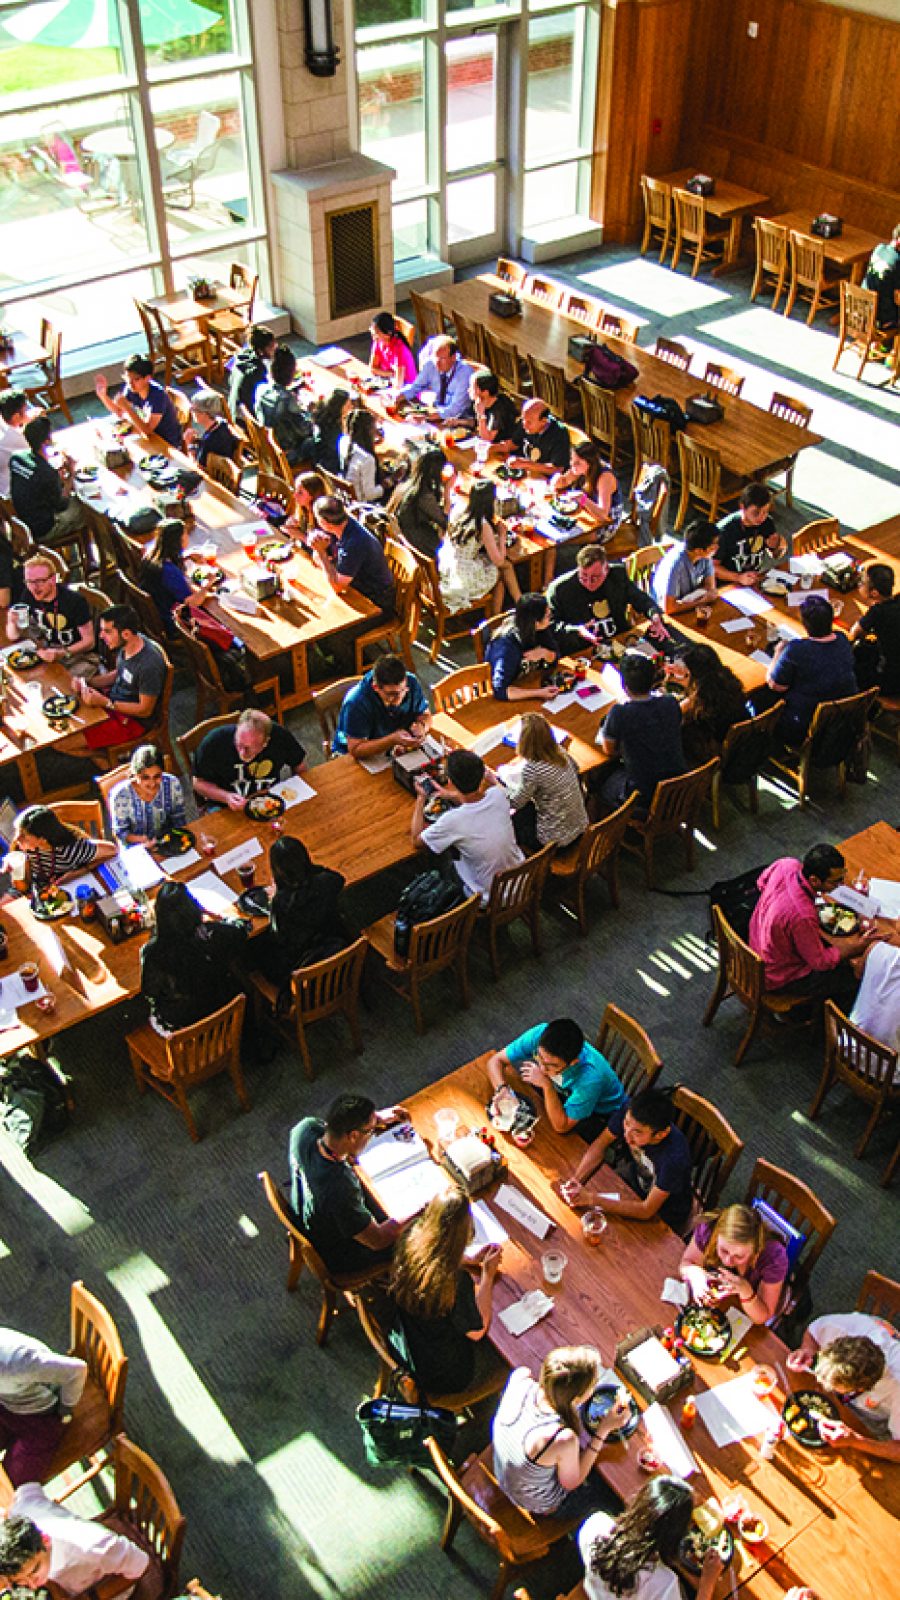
x=554, y=1265
x=446, y=1123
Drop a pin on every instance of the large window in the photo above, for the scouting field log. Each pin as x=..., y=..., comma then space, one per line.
x=129, y=157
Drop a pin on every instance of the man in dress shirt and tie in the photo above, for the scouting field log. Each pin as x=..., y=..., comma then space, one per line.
x=445, y=375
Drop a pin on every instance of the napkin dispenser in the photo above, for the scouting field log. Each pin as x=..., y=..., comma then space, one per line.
x=580, y=346
x=119, y=915
x=701, y=183
x=502, y=304
x=840, y=571
x=258, y=583
x=675, y=1375
x=827, y=226
x=471, y=1163
x=112, y=455
x=426, y=762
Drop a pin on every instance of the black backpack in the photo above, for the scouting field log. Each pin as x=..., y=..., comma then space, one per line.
x=736, y=899
x=662, y=405
x=429, y=895
x=35, y=1099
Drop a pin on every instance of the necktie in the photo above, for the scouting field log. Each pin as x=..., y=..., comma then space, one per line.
x=443, y=386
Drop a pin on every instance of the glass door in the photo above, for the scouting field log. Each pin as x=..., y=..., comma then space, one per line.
x=474, y=143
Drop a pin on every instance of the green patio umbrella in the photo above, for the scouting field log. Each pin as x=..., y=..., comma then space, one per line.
x=94, y=24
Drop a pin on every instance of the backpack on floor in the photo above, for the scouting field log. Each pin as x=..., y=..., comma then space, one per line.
x=35, y=1099
x=736, y=899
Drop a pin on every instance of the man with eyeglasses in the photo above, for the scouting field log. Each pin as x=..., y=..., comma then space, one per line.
x=56, y=617
x=387, y=708
x=342, y=1222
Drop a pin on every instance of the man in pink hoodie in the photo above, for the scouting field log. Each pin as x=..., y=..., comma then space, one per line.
x=785, y=930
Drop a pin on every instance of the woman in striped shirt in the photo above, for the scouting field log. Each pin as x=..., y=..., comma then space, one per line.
x=147, y=803
x=54, y=850
x=546, y=791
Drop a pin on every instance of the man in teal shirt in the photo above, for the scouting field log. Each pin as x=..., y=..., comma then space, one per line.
x=579, y=1088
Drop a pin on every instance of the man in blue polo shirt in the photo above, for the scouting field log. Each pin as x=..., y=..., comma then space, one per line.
x=385, y=709
x=146, y=404
x=579, y=1088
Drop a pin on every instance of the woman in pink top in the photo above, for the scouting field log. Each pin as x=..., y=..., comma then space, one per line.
x=390, y=349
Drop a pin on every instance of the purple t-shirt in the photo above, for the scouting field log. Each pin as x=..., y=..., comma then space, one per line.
x=770, y=1266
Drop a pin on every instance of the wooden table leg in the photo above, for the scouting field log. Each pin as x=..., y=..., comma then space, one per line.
x=731, y=258
x=301, y=692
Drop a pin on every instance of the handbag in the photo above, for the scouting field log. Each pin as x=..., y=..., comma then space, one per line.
x=608, y=368
x=394, y=1431
x=207, y=628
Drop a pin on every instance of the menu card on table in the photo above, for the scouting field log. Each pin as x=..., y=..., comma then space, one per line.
x=746, y=600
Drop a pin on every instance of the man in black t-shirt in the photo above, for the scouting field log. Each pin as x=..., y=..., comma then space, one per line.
x=232, y=764
x=59, y=618
x=540, y=442
x=40, y=491
x=340, y=1220
x=495, y=412
x=876, y=636
x=644, y=733
x=748, y=540
x=883, y=275
x=598, y=595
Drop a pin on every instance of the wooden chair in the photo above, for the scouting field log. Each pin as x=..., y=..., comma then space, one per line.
x=272, y=486
x=320, y=990
x=188, y=741
x=859, y=318
x=652, y=440
x=335, y=1286
x=582, y=308
x=484, y=633
x=746, y=749
x=836, y=730
x=673, y=810
x=429, y=316
x=789, y=410
x=182, y=406
x=808, y=276
x=474, y=1493
x=657, y=198
x=128, y=553
x=715, y=1147
x=144, y=1510
x=84, y=814
x=703, y=479
x=260, y=441
x=880, y=1297
x=742, y=973
x=210, y=685
x=677, y=355
x=434, y=946
x=724, y=378
x=327, y=704
x=629, y=1050
x=548, y=382
x=373, y=1307
x=516, y=897
x=184, y=352
x=223, y=471
x=401, y=629
x=863, y=1064
x=408, y=329
x=469, y=338
x=459, y=688
x=600, y=414
x=771, y=258
x=546, y=291
x=643, y=563
x=594, y=855
x=694, y=226
x=503, y=360
x=43, y=383
x=615, y=326
x=888, y=1174
x=281, y=467
x=135, y=595
x=176, y=1064
x=798, y=1205
x=512, y=272
x=97, y=1417
x=821, y=534
x=227, y=330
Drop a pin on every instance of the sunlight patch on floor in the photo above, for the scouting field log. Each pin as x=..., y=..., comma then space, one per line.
x=645, y=283
x=810, y=351
x=65, y=1209
x=651, y=983
x=848, y=492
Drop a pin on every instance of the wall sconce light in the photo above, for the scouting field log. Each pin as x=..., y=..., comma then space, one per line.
x=321, y=57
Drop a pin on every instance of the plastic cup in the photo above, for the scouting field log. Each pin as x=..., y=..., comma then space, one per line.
x=20, y=616
x=593, y=1225
x=207, y=844
x=248, y=545
x=246, y=872
x=554, y=1264
x=503, y=1110
x=703, y=615
x=30, y=975
x=446, y=1123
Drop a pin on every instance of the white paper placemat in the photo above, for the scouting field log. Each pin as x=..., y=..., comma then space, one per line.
x=746, y=600
x=733, y=1411
x=211, y=893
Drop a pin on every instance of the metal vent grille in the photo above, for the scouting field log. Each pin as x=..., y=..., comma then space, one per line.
x=353, y=276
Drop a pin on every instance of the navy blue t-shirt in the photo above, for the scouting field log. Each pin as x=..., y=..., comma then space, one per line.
x=812, y=670
x=360, y=557
x=157, y=401
x=666, y=1166
x=648, y=736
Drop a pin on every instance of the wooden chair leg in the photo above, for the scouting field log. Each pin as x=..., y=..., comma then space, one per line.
x=747, y=1040
x=665, y=243
x=303, y=1047
x=716, y=799
x=698, y=253
x=326, y=1315
x=502, y=1582
x=803, y=779
x=716, y=998
x=646, y=239
x=825, y=1083
x=792, y=296
x=240, y=1088
x=891, y=1168
x=181, y=1101
x=814, y=305
x=136, y=1069
x=295, y=1264
x=862, y=1143
x=451, y=1524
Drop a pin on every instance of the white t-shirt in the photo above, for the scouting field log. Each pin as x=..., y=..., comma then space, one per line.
x=81, y=1552
x=652, y=1583
x=12, y=441
x=33, y=1377
x=482, y=832
x=879, y=1408
x=877, y=1006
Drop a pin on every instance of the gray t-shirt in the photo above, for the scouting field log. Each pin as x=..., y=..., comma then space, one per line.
x=142, y=673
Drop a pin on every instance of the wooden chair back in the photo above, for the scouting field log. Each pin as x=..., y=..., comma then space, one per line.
x=600, y=416
x=859, y=318
x=836, y=728
x=596, y=853
x=516, y=892
x=629, y=1050
x=133, y=594
x=816, y=536
x=106, y=782
x=643, y=563
x=436, y=945
x=790, y=410
x=260, y=441
x=474, y=1493
x=701, y=477
x=582, y=308
x=673, y=810
x=615, y=326
x=336, y=485
x=408, y=329
x=272, y=486
x=202, y=661
x=771, y=257
x=157, y=730
x=546, y=291
x=548, y=382
x=798, y=1205
x=864, y=1064
x=657, y=198
x=144, y=1502
x=84, y=814
x=223, y=471
x=748, y=745
x=807, y=260
x=429, y=316
x=208, y=1047
x=880, y=1297
x=652, y=439
x=303, y=1254
x=484, y=633
x=715, y=1147
x=512, y=272
x=327, y=704
x=724, y=378
x=96, y=599
x=129, y=553
x=503, y=360
x=188, y=741
x=469, y=338
x=281, y=467
x=743, y=969
x=677, y=355
x=182, y=406
x=150, y=333
x=656, y=518
x=94, y=1338
x=459, y=688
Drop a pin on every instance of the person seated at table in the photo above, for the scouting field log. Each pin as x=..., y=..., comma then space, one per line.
x=14, y=413
x=216, y=437
x=130, y=692
x=591, y=476
x=146, y=404
x=687, y=569
x=189, y=963
x=876, y=1009
x=351, y=557
x=579, y=1088
x=477, y=823
x=540, y=442
x=59, y=618
x=149, y=802
x=883, y=275
x=472, y=560
x=308, y=488
x=341, y=1219
x=714, y=701
x=44, y=1543
x=250, y=369
x=163, y=576
x=305, y=921
x=421, y=503
x=440, y=1297
x=642, y=1142
x=10, y=573
x=446, y=376
x=358, y=459
x=330, y=418
x=543, y=1454
x=876, y=635
x=808, y=671
x=642, y=735
x=391, y=355
x=633, y=1553
x=278, y=408
x=41, y=493
x=38, y=1388
x=856, y=1357
x=785, y=928
x=496, y=417
x=386, y=710
x=544, y=788
x=749, y=542
x=239, y=760
x=599, y=595
x=531, y=640
x=732, y=1256
x=56, y=851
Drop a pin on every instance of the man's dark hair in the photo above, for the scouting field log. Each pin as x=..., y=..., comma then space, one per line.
x=331, y=509
x=563, y=1039
x=38, y=432
x=817, y=616
x=756, y=494
x=652, y=1107
x=880, y=578
x=701, y=535
x=389, y=670
x=821, y=861
x=12, y=403
x=123, y=618
x=260, y=338
x=637, y=672
x=465, y=770
x=488, y=382
x=140, y=366
x=284, y=364
x=20, y=1540
x=347, y=1113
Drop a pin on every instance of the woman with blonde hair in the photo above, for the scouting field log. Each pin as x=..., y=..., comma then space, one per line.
x=545, y=791
x=732, y=1256
x=542, y=1454
x=442, y=1308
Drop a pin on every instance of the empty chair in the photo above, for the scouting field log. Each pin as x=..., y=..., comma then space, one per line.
x=582, y=307
x=771, y=258
x=674, y=809
x=677, y=355
x=324, y=989
x=796, y=1203
x=809, y=278
x=183, y=165
x=335, y=1286
x=715, y=1147
x=175, y=1064
x=459, y=688
x=815, y=536
x=724, y=378
x=789, y=410
x=183, y=351
x=144, y=1510
x=469, y=338
x=516, y=897
x=703, y=478
x=657, y=198
x=228, y=329
x=694, y=226
x=879, y=1296
x=858, y=327
x=616, y=326
x=512, y=272
x=745, y=750
x=503, y=360
x=327, y=704
x=435, y=946
x=548, y=382
x=863, y=1064
x=546, y=291
x=595, y=854
x=97, y=1417
x=43, y=382
x=600, y=413
x=629, y=1050
x=835, y=740
x=742, y=973
x=428, y=314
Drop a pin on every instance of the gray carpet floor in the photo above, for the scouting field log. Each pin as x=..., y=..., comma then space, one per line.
x=253, y=1424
